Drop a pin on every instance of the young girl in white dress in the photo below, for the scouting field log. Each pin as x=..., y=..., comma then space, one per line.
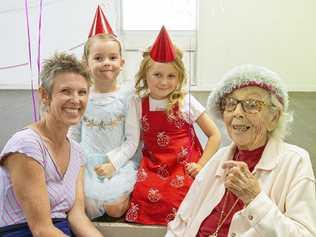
x=108, y=132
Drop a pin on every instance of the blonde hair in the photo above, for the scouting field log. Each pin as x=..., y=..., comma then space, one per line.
x=174, y=98
x=105, y=37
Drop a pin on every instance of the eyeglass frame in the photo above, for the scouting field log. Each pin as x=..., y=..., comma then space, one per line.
x=259, y=104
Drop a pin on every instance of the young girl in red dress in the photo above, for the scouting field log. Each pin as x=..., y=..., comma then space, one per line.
x=172, y=155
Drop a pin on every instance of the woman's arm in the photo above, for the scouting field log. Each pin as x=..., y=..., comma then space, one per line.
x=214, y=138
x=299, y=218
x=79, y=222
x=294, y=214
x=28, y=181
x=263, y=213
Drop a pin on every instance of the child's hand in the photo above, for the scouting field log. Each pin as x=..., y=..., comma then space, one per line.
x=106, y=170
x=193, y=168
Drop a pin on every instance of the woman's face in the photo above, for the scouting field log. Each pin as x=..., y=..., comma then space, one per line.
x=249, y=129
x=68, y=99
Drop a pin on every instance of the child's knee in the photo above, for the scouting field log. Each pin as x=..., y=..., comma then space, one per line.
x=94, y=208
x=118, y=209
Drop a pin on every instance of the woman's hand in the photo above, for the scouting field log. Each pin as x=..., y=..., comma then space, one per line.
x=240, y=181
x=193, y=168
x=106, y=170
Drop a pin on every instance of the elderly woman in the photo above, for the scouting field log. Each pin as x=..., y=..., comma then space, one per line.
x=259, y=186
x=41, y=170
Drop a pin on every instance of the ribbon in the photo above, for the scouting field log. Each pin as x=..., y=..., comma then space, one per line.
x=39, y=42
x=30, y=59
x=13, y=66
x=75, y=47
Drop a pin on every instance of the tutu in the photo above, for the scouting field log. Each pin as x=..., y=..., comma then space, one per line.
x=101, y=134
x=108, y=189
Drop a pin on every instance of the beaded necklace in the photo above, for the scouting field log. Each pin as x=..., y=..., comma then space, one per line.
x=223, y=218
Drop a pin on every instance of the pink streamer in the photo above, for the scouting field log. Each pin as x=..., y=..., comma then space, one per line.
x=25, y=64
x=30, y=59
x=33, y=101
x=13, y=66
x=75, y=47
x=39, y=42
x=28, y=33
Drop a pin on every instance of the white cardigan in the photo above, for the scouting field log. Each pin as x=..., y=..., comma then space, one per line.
x=286, y=206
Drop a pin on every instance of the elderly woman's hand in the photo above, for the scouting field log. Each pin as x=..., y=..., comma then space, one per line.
x=240, y=181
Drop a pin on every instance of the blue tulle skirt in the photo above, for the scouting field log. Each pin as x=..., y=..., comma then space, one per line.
x=108, y=189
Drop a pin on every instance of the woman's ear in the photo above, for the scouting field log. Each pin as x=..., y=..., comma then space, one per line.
x=43, y=96
x=274, y=119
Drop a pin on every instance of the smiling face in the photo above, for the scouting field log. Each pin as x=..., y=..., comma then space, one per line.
x=104, y=63
x=68, y=99
x=162, y=80
x=250, y=130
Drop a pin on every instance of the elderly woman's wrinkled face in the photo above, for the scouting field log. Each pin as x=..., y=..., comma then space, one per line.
x=248, y=117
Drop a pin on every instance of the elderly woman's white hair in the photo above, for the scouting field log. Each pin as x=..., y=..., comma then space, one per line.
x=252, y=75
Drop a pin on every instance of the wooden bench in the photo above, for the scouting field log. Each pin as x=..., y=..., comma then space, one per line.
x=117, y=229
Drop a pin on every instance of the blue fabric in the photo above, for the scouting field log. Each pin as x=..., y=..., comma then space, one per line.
x=22, y=230
x=103, y=128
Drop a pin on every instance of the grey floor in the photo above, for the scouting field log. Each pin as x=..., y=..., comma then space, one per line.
x=16, y=112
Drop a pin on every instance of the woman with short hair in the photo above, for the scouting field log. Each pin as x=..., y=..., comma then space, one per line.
x=259, y=185
x=41, y=170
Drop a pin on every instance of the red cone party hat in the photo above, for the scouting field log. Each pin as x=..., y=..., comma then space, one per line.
x=163, y=50
x=100, y=24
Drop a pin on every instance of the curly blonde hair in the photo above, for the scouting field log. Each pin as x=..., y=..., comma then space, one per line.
x=174, y=98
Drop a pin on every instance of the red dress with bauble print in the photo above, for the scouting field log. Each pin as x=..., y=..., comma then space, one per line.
x=162, y=182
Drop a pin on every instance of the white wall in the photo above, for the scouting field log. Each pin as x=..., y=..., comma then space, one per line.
x=279, y=34
x=65, y=24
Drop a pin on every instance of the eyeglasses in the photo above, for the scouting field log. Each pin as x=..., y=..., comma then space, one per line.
x=249, y=106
